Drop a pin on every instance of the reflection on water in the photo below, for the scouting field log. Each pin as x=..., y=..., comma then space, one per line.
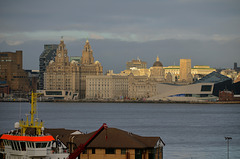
x=190, y=131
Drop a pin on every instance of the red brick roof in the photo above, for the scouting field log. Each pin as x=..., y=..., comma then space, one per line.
x=116, y=138
x=108, y=138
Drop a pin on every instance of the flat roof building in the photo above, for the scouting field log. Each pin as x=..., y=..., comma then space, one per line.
x=47, y=55
x=12, y=73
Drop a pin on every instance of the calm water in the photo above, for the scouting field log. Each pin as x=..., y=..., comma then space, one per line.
x=189, y=131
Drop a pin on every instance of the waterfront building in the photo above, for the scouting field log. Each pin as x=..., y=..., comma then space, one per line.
x=12, y=73
x=62, y=75
x=67, y=76
x=47, y=55
x=205, y=89
x=136, y=64
x=191, y=92
x=220, y=81
x=106, y=87
x=88, y=67
x=157, y=72
x=140, y=87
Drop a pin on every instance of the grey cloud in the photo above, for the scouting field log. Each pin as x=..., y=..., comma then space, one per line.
x=171, y=21
x=113, y=54
x=118, y=16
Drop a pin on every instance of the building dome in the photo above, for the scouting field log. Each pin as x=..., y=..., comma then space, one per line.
x=157, y=63
x=97, y=62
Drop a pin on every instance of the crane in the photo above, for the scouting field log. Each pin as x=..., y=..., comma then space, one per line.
x=82, y=147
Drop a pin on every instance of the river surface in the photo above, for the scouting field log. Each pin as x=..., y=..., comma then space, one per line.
x=190, y=131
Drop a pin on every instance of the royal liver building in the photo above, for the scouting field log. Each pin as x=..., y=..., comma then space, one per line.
x=67, y=80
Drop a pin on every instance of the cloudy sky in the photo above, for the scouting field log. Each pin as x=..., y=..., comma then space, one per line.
x=206, y=31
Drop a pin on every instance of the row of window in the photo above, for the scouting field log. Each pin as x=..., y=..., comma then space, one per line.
x=138, y=152
x=191, y=95
x=21, y=146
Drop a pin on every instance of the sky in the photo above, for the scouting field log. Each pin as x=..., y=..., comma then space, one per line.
x=206, y=31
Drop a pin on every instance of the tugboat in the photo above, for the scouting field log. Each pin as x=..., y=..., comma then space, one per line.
x=19, y=144
x=25, y=145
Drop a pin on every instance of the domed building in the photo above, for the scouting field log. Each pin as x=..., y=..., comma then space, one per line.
x=141, y=87
x=156, y=71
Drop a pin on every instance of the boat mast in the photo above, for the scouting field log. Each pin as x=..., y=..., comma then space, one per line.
x=34, y=123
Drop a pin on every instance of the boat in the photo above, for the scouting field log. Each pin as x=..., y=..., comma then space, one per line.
x=35, y=144
x=19, y=144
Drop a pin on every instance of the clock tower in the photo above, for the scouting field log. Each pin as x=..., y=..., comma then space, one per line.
x=61, y=55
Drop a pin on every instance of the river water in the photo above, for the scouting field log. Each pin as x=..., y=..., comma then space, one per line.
x=190, y=131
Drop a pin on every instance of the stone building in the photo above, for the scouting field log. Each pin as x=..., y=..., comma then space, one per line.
x=70, y=76
x=88, y=67
x=197, y=72
x=185, y=70
x=12, y=73
x=106, y=87
x=157, y=72
x=140, y=87
x=133, y=84
x=61, y=74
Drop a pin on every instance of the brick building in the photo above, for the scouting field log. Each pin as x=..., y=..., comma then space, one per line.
x=12, y=73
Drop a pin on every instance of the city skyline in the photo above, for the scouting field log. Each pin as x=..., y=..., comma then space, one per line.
x=208, y=32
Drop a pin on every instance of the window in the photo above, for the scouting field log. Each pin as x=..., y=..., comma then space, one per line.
x=138, y=154
x=110, y=151
x=53, y=92
x=203, y=95
x=85, y=152
x=93, y=151
x=151, y=154
x=23, y=146
x=206, y=88
x=123, y=151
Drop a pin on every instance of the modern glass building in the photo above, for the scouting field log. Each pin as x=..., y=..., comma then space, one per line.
x=47, y=55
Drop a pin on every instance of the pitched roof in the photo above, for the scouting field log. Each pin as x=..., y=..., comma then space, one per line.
x=108, y=138
x=60, y=133
x=116, y=138
x=213, y=77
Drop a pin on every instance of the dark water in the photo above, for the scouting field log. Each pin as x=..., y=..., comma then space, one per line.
x=189, y=131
